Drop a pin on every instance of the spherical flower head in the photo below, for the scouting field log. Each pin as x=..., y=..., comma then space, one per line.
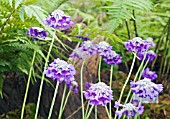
x=58, y=20
x=136, y=45
x=103, y=47
x=61, y=71
x=83, y=38
x=112, y=58
x=147, y=73
x=130, y=109
x=88, y=47
x=77, y=53
x=146, y=89
x=99, y=94
x=150, y=42
x=150, y=55
x=37, y=32
x=73, y=85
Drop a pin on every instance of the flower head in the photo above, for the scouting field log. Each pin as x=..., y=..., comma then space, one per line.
x=103, y=47
x=129, y=109
x=150, y=42
x=136, y=45
x=73, y=85
x=150, y=55
x=99, y=94
x=83, y=38
x=146, y=89
x=88, y=47
x=58, y=20
x=77, y=53
x=37, y=32
x=112, y=58
x=149, y=74
x=61, y=71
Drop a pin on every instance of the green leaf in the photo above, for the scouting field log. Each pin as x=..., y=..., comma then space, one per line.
x=17, y=3
x=10, y=2
x=21, y=14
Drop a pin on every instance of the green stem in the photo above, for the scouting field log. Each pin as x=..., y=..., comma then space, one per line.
x=62, y=101
x=99, y=68
x=107, y=111
x=110, y=104
x=68, y=94
x=81, y=86
x=28, y=84
x=43, y=76
x=89, y=112
x=143, y=68
x=127, y=80
x=95, y=112
x=53, y=101
x=87, y=108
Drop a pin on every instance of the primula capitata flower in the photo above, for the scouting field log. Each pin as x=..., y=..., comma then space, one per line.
x=77, y=53
x=129, y=109
x=61, y=71
x=88, y=47
x=150, y=55
x=137, y=45
x=99, y=94
x=150, y=42
x=149, y=74
x=58, y=20
x=83, y=38
x=37, y=32
x=103, y=47
x=112, y=58
x=145, y=88
x=73, y=85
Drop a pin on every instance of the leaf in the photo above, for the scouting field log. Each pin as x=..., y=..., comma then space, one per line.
x=10, y=2
x=1, y=84
x=21, y=14
x=17, y=3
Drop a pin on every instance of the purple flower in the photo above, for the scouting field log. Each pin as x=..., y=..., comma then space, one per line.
x=88, y=47
x=130, y=109
x=112, y=58
x=37, y=32
x=77, y=53
x=99, y=94
x=150, y=55
x=103, y=47
x=83, y=38
x=73, y=85
x=136, y=45
x=149, y=74
x=61, y=71
x=146, y=89
x=58, y=20
x=150, y=42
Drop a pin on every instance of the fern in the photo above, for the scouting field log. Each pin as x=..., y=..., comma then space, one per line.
x=121, y=9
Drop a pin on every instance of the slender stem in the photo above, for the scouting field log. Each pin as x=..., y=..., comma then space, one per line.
x=99, y=68
x=110, y=104
x=107, y=111
x=62, y=101
x=68, y=94
x=28, y=84
x=89, y=112
x=127, y=80
x=53, y=101
x=43, y=76
x=81, y=86
x=143, y=68
x=95, y=112
x=87, y=108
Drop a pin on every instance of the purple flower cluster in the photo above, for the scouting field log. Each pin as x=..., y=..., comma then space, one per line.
x=145, y=88
x=129, y=109
x=77, y=53
x=88, y=47
x=58, y=20
x=103, y=47
x=150, y=55
x=150, y=42
x=98, y=94
x=83, y=38
x=137, y=45
x=37, y=32
x=61, y=71
x=149, y=74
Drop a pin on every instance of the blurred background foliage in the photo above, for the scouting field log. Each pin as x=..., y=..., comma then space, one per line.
x=116, y=20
